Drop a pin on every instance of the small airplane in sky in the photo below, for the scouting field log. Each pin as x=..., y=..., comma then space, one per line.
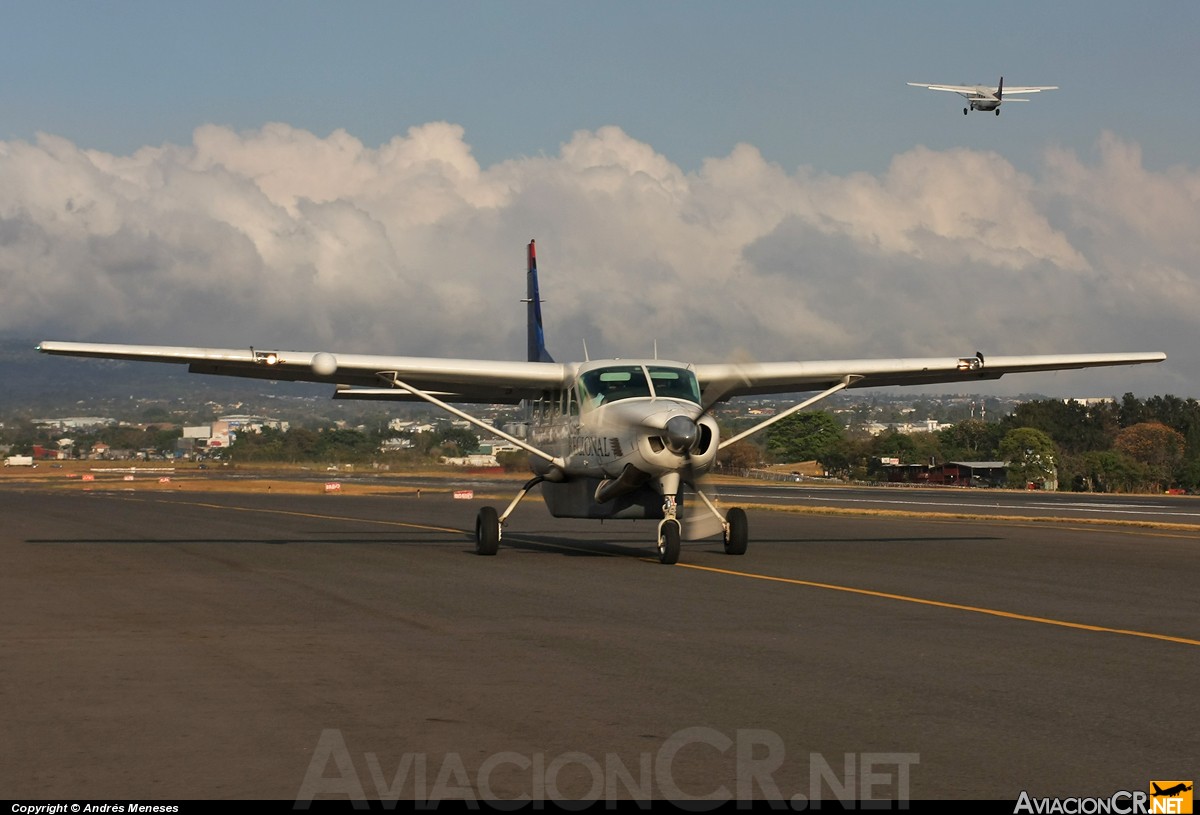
x=1170, y=792
x=608, y=438
x=984, y=97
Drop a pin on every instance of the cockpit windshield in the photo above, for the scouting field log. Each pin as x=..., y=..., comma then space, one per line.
x=616, y=382
x=604, y=385
x=675, y=383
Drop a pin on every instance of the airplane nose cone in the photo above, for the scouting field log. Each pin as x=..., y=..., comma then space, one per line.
x=681, y=434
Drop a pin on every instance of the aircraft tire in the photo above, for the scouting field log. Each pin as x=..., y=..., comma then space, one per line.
x=964, y=111
x=487, y=532
x=738, y=536
x=668, y=543
x=997, y=111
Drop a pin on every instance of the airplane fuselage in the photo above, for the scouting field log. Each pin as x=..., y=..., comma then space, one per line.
x=624, y=433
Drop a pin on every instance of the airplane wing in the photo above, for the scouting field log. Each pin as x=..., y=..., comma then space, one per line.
x=951, y=88
x=358, y=376
x=729, y=380
x=361, y=376
x=1018, y=89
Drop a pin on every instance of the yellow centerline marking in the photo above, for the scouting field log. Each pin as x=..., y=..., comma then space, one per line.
x=940, y=604
x=1011, y=615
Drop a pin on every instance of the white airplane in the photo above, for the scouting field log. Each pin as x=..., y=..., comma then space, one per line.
x=611, y=438
x=983, y=97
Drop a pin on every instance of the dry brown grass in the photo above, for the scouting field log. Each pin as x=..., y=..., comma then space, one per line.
x=285, y=479
x=267, y=478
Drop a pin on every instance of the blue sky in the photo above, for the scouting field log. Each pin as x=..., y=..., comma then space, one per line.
x=763, y=164
x=819, y=84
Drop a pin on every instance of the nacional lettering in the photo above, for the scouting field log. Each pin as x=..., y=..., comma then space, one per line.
x=590, y=446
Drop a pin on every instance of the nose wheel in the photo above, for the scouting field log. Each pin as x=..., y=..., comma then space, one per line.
x=668, y=541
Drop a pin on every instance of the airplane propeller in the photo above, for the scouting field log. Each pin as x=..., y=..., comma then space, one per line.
x=699, y=521
x=681, y=435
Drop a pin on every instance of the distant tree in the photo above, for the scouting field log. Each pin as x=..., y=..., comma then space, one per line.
x=457, y=441
x=742, y=455
x=803, y=436
x=849, y=458
x=895, y=445
x=156, y=413
x=1156, y=446
x=163, y=440
x=1188, y=476
x=1031, y=455
x=1180, y=415
x=926, y=448
x=1075, y=428
x=1109, y=471
x=1132, y=411
x=970, y=440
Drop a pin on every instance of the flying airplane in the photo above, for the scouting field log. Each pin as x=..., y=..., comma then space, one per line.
x=609, y=438
x=1170, y=792
x=983, y=97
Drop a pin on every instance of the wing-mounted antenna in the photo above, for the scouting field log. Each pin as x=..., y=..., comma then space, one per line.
x=656, y=348
x=535, y=334
x=586, y=358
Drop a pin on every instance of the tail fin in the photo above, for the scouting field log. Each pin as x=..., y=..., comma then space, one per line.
x=536, y=335
x=1000, y=89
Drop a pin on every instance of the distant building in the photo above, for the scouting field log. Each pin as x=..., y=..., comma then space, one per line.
x=474, y=460
x=950, y=474
x=235, y=423
x=1088, y=401
x=77, y=422
x=905, y=428
x=406, y=426
x=395, y=445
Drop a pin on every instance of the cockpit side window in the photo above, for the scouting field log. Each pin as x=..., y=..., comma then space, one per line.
x=675, y=383
x=604, y=385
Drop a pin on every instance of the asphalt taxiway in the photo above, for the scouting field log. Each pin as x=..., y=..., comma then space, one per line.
x=272, y=646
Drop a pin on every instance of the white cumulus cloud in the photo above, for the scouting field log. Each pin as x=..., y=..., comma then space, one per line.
x=281, y=238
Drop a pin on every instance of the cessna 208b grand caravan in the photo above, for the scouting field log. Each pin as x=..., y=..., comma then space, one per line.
x=982, y=97
x=612, y=438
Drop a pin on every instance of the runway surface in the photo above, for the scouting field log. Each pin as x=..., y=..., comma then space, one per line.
x=257, y=646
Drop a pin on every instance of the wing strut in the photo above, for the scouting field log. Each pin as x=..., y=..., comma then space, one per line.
x=846, y=382
x=393, y=379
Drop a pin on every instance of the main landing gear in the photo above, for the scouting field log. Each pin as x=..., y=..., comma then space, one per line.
x=735, y=531
x=487, y=532
x=488, y=523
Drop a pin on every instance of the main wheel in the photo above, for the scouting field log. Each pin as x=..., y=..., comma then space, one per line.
x=738, y=534
x=997, y=111
x=668, y=543
x=487, y=532
x=964, y=111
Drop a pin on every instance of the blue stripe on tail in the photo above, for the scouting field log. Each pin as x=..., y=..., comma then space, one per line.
x=536, y=334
